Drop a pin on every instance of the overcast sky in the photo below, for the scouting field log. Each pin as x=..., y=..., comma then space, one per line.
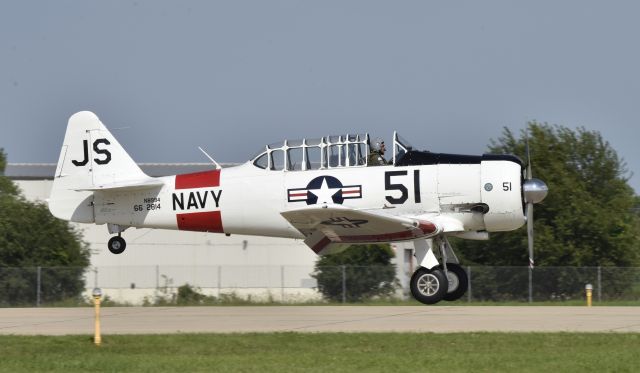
x=231, y=76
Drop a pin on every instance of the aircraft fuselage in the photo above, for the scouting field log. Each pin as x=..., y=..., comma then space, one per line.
x=483, y=196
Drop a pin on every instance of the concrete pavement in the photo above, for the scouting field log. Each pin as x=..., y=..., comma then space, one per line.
x=440, y=319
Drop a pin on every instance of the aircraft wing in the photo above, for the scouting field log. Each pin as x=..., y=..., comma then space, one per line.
x=330, y=228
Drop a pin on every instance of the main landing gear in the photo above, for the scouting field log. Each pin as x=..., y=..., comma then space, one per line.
x=433, y=282
x=116, y=244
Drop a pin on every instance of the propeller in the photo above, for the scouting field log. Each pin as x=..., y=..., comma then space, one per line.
x=535, y=190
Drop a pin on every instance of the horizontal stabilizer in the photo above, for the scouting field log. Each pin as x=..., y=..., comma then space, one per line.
x=125, y=185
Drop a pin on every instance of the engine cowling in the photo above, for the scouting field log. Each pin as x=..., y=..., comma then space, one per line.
x=501, y=191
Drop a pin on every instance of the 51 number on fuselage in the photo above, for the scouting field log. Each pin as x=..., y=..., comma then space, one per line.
x=404, y=192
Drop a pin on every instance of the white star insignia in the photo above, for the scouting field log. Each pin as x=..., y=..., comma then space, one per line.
x=325, y=194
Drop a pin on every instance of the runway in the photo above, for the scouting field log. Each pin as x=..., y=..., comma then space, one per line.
x=437, y=319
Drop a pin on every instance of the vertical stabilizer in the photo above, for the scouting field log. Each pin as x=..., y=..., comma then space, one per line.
x=90, y=157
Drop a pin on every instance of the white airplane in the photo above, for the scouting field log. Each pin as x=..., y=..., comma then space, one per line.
x=318, y=190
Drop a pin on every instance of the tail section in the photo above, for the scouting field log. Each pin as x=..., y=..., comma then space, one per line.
x=91, y=159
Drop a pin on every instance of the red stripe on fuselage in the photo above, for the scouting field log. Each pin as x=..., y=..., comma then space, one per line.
x=198, y=180
x=210, y=221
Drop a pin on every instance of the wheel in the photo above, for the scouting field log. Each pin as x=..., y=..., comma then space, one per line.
x=117, y=244
x=429, y=286
x=458, y=282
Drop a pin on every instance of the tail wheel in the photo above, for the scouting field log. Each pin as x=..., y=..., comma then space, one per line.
x=458, y=282
x=117, y=244
x=429, y=286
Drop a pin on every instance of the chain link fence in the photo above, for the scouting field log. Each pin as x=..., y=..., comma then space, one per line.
x=552, y=283
x=44, y=286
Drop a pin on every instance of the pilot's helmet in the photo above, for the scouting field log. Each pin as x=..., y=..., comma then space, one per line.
x=377, y=144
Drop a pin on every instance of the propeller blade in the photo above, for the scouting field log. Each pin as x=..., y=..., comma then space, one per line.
x=530, y=232
x=529, y=173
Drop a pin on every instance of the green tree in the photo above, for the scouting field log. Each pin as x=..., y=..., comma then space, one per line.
x=367, y=270
x=6, y=186
x=29, y=238
x=588, y=217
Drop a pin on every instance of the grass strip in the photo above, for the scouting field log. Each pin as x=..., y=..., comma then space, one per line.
x=325, y=352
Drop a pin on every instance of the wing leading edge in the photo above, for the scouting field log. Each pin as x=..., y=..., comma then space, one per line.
x=332, y=228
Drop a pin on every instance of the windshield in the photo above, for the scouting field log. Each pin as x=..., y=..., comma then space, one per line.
x=400, y=146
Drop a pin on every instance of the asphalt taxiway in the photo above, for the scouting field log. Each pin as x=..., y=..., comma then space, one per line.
x=438, y=319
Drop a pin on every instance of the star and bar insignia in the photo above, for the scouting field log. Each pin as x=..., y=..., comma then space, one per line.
x=324, y=189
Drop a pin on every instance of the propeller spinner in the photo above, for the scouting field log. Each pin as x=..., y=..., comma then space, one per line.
x=535, y=190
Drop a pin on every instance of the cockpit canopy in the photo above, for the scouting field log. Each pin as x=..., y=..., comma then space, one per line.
x=315, y=154
x=322, y=153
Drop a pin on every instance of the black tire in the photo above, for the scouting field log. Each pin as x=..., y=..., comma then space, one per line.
x=458, y=282
x=117, y=245
x=428, y=286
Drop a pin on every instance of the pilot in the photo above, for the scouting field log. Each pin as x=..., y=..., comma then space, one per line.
x=376, y=153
